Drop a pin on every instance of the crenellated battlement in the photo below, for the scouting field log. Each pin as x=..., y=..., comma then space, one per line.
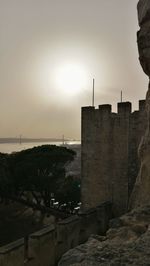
x=123, y=108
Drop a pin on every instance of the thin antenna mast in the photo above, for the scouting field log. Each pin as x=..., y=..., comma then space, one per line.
x=20, y=139
x=121, y=96
x=93, y=92
x=63, y=140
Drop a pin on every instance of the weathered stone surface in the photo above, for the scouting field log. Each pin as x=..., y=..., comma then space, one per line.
x=127, y=244
x=143, y=11
x=141, y=191
x=143, y=35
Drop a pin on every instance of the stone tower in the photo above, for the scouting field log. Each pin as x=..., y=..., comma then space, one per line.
x=109, y=154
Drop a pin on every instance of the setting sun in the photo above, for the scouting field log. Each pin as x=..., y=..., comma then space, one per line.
x=70, y=78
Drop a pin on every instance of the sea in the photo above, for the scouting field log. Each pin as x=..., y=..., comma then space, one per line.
x=14, y=147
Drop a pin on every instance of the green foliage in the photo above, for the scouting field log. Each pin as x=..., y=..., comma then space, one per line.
x=5, y=179
x=69, y=191
x=40, y=171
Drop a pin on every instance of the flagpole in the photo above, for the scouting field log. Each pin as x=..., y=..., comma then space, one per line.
x=93, y=92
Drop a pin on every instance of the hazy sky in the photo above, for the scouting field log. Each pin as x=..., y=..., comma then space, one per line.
x=49, y=52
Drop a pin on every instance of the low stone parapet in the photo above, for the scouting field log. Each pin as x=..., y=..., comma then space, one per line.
x=46, y=246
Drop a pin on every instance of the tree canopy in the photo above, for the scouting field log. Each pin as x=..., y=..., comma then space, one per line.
x=39, y=172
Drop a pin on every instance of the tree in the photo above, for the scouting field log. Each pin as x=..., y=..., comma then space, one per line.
x=40, y=171
x=69, y=191
x=5, y=178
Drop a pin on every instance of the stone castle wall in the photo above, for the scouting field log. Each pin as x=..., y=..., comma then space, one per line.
x=109, y=159
x=45, y=247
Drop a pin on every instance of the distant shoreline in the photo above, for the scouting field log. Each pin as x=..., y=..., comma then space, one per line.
x=29, y=140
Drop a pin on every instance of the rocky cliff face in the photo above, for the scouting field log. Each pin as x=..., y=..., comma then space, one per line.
x=126, y=243
x=141, y=191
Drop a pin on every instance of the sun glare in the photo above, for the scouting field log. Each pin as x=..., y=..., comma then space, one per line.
x=70, y=78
